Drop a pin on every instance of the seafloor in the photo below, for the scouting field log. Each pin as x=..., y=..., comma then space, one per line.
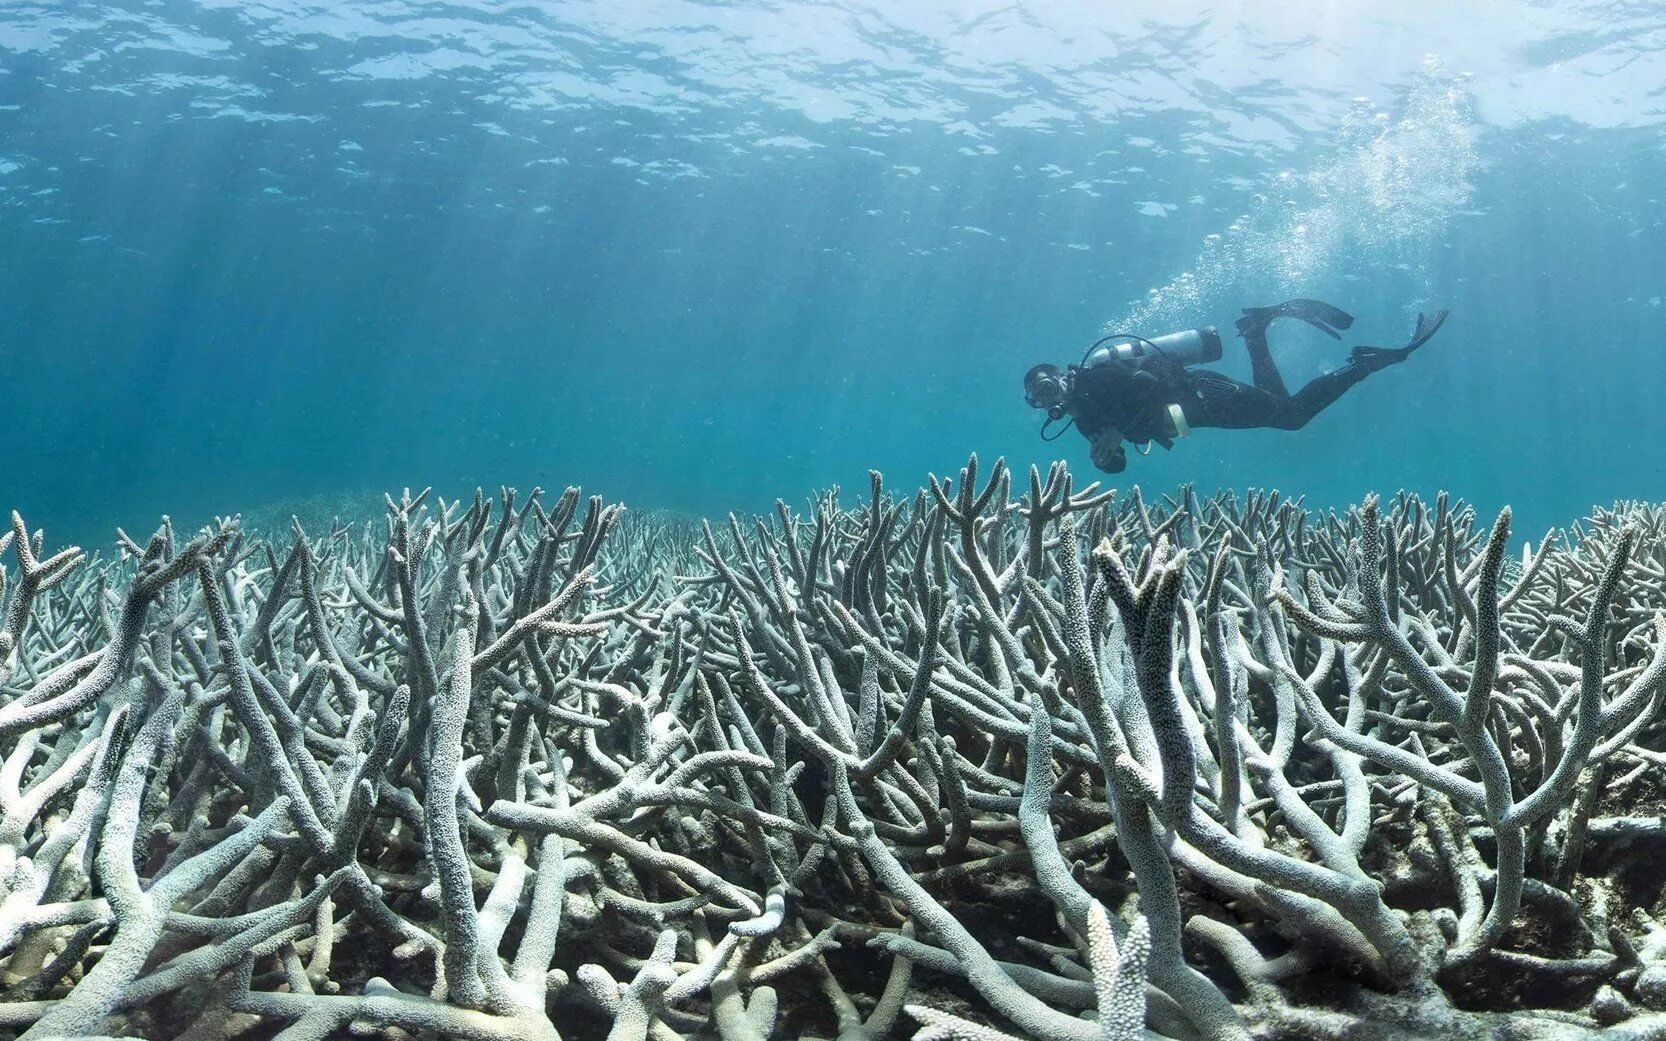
x=974, y=762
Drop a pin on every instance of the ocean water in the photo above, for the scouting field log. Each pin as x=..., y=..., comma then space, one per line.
x=699, y=256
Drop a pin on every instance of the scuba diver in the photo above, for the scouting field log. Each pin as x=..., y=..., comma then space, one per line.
x=1129, y=388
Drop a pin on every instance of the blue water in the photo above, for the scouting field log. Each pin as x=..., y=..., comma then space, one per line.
x=703, y=255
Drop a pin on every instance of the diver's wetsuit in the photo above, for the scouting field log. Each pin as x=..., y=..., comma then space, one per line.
x=1221, y=401
x=1133, y=399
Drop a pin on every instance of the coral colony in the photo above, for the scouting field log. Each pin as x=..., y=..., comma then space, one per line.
x=956, y=766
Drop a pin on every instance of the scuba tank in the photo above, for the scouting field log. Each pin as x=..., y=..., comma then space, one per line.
x=1187, y=347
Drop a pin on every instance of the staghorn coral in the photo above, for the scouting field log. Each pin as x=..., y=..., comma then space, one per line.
x=960, y=765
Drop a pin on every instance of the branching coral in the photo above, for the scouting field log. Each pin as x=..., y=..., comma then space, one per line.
x=962, y=764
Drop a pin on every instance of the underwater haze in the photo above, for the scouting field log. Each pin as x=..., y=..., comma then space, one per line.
x=701, y=255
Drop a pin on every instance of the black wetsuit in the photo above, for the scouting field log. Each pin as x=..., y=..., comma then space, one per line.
x=1133, y=398
x=1137, y=400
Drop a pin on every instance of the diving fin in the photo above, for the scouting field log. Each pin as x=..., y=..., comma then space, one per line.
x=1427, y=326
x=1322, y=316
x=1374, y=358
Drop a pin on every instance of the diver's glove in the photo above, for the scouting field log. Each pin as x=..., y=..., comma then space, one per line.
x=1374, y=358
x=1108, y=454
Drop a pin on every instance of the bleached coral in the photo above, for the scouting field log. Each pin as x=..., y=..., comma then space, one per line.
x=1078, y=768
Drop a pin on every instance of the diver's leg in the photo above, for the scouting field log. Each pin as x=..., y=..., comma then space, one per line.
x=1219, y=405
x=1253, y=328
x=1362, y=362
x=1265, y=372
x=1220, y=401
x=1320, y=394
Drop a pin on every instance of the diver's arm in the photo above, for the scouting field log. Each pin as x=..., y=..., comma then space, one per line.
x=1097, y=402
x=1116, y=403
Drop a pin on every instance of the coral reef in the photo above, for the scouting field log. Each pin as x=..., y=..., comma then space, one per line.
x=961, y=765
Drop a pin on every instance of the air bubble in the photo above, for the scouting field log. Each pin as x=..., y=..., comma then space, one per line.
x=1383, y=197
